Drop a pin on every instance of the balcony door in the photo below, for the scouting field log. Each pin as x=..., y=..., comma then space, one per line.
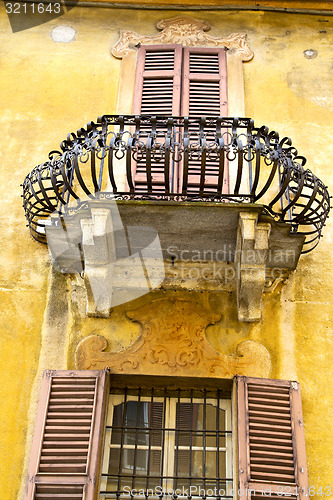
x=172, y=80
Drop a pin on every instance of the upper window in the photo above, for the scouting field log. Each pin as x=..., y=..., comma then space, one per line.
x=160, y=441
x=181, y=81
x=172, y=80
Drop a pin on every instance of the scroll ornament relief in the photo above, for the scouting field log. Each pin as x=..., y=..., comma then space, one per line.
x=173, y=342
x=185, y=31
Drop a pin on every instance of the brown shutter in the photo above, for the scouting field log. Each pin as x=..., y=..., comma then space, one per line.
x=271, y=446
x=157, y=92
x=158, y=80
x=204, y=93
x=66, y=448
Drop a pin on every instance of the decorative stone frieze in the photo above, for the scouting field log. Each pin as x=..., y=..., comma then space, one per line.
x=186, y=31
x=173, y=341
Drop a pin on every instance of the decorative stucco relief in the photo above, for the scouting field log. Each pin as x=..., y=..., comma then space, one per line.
x=173, y=342
x=185, y=31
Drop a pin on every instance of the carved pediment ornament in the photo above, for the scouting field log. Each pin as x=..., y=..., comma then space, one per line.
x=173, y=342
x=186, y=31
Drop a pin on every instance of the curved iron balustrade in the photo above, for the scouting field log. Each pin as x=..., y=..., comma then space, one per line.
x=218, y=160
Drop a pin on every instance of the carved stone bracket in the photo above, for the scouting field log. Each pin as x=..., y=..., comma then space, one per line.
x=99, y=255
x=173, y=341
x=186, y=31
x=250, y=259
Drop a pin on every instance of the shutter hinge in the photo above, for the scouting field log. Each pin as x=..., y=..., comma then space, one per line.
x=294, y=385
x=302, y=470
x=241, y=471
x=300, y=422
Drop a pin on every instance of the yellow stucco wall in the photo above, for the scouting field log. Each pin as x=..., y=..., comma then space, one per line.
x=49, y=89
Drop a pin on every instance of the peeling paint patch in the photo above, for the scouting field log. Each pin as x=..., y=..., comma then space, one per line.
x=63, y=34
x=308, y=86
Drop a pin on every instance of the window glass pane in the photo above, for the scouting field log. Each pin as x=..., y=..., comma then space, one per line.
x=135, y=445
x=136, y=421
x=198, y=422
x=214, y=464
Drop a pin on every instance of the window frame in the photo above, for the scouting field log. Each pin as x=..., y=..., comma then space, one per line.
x=172, y=384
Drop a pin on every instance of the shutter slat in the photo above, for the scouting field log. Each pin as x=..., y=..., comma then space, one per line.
x=263, y=431
x=65, y=451
x=266, y=445
x=274, y=469
x=262, y=453
x=69, y=416
x=269, y=413
x=274, y=461
x=264, y=407
x=66, y=419
x=265, y=419
x=68, y=492
x=69, y=407
x=255, y=393
x=68, y=435
x=78, y=459
x=63, y=427
x=63, y=468
x=48, y=445
x=269, y=436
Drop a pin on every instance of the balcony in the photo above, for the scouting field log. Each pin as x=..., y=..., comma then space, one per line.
x=203, y=183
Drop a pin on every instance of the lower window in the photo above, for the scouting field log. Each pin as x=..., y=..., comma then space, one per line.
x=167, y=442
x=164, y=442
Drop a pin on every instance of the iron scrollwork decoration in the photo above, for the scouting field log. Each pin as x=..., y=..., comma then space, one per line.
x=214, y=159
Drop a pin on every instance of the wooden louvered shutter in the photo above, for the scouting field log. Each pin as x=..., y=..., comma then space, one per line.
x=271, y=446
x=204, y=93
x=67, y=443
x=157, y=92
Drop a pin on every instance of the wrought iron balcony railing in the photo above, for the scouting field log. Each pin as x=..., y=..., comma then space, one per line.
x=186, y=159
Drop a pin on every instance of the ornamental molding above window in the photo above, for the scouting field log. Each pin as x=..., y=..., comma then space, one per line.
x=186, y=31
x=173, y=340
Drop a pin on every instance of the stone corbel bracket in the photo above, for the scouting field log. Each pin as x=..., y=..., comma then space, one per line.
x=250, y=259
x=99, y=255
